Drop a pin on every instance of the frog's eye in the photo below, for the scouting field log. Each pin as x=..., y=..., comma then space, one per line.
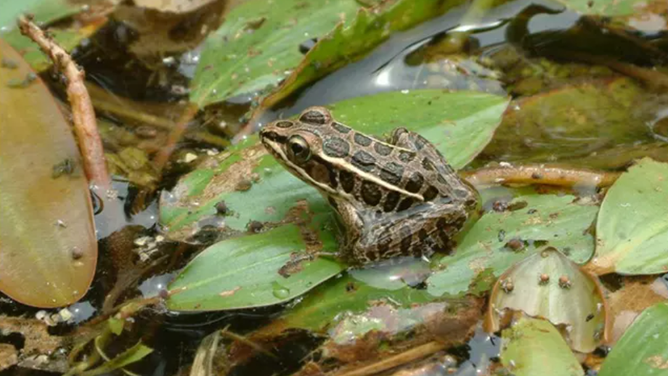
x=298, y=149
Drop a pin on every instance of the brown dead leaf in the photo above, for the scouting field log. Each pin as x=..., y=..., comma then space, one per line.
x=8, y=356
x=628, y=302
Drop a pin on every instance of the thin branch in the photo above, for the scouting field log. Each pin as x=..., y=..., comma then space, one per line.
x=405, y=357
x=83, y=115
x=540, y=174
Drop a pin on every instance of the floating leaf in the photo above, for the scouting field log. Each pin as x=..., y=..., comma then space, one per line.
x=550, y=286
x=643, y=350
x=460, y=124
x=498, y=240
x=243, y=272
x=347, y=44
x=632, y=227
x=259, y=42
x=638, y=14
x=48, y=249
x=535, y=347
x=628, y=302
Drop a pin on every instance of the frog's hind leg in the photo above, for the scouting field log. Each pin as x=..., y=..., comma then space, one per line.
x=420, y=231
x=412, y=141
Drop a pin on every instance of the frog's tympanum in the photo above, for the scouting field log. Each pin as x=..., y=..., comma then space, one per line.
x=394, y=198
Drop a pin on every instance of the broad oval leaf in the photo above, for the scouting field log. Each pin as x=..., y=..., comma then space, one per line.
x=632, y=227
x=259, y=43
x=550, y=286
x=243, y=272
x=643, y=349
x=48, y=249
x=535, y=347
x=499, y=240
x=460, y=124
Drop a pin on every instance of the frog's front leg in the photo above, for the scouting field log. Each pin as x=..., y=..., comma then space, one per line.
x=418, y=231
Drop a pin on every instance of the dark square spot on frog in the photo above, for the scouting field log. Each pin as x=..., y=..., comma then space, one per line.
x=391, y=201
x=336, y=147
x=405, y=204
x=347, y=180
x=406, y=156
x=364, y=161
x=361, y=139
x=371, y=193
x=430, y=193
x=382, y=149
x=427, y=164
x=340, y=128
x=392, y=173
x=314, y=117
x=284, y=124
x=415, y=182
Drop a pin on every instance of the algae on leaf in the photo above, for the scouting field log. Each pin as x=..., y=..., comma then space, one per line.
x=259, y=44
x=632, y=227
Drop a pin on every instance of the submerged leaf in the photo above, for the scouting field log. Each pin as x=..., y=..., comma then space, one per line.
x=498, y=240
x=460, y=124
x=259, y=42
x=643, y=350
x=48, y=249
x=535, y=347
x=245, y=272
x=127, y=357
x=346, y=44
x=632, y=227
x=550, y=286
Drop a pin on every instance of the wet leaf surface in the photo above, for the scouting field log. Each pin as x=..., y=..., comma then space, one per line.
x=259, y=43
x=643, y=349
x=348, y=43
x=632, y=227
x=550, y=286
x=500, y=239
x=244, y=272
x=48, y=249
x=460, y=125
x=549, y=354
x=637, y=14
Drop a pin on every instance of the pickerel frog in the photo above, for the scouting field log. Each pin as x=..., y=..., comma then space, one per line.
x=394, y=198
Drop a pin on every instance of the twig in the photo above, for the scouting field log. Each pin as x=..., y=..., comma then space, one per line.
x=83, y=114
x=396, y=360
x=174, y=137
x=540, y=174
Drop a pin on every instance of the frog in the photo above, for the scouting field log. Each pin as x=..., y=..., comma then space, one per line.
x=394, y=197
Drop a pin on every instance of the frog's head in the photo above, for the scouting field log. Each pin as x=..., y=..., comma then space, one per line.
x=300, y=145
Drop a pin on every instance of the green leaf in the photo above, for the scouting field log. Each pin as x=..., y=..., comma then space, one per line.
x=534, y=347
x=127, y=357
x=48, y=249
x=637, y=14
x=632, y=227
x=346, y=44
x=550, y=286
x=244, y=272
x=259, y=42
x=642, y=350
x=353, y=293
x=551, y=220
x=45, y=12
x=460, y=124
